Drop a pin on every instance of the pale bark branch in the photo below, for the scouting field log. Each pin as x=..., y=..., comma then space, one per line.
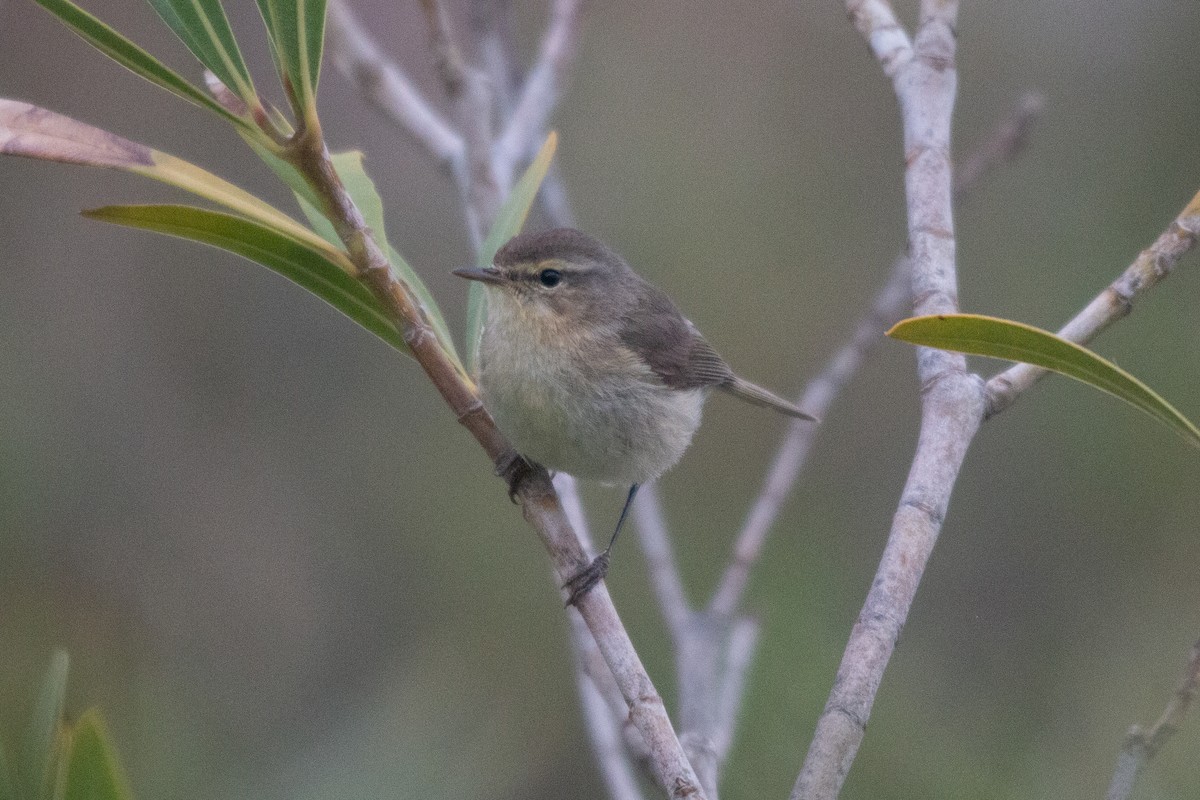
x=539, y=94
x=1142, y=745
x=1151, y=266
x=924, y=78
x=817, y=398
x=386, y=86
x=611, y=755
x=660, y=561
x=1007, y=139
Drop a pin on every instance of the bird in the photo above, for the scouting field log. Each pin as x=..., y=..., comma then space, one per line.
x=589, y=369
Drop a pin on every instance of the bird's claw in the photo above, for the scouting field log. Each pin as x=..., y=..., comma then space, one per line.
x=515, y=469
x=582, y=582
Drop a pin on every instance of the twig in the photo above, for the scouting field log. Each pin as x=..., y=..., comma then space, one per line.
x=660, y=561
x=817, y=398
x=483, y=185
x=611, y=755
x=386, y=85
x=924, y=79
x=1005, y=142
x=1151, y=266
x=540, y=93
x=1007, y=139
x=1142, y=745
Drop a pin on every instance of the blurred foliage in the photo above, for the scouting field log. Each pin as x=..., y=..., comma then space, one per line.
x=284, y=571
x=62, y=760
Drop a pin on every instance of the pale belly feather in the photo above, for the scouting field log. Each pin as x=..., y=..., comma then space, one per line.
x=585, y=419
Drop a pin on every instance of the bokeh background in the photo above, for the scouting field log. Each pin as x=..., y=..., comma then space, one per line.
x=283, y=571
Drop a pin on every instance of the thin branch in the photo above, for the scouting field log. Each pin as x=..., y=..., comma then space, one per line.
x=491, y=28
x=611, y=755
x=1007, y=139
x=484, y=186
x=817, y=398
x=1151, y=266
x=925, y=82
x=1142, y=745
x=739, y=657
x=386, y=86
x=539, y=95
x=660, y=561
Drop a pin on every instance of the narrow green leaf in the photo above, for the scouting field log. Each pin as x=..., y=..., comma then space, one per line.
x=1014, y=341
x=137, y=60
x=34, y=132
x=297, y=31
x=41, y=754
x=508, y=224
x=204, y=28
x=362, y=191
x=93, y=772
x=292, y=258
x=7, y=788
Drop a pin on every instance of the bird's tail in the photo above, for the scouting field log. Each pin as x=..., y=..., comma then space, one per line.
x=761, y=397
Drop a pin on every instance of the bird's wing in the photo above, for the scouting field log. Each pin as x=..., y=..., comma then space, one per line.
x=671, y=346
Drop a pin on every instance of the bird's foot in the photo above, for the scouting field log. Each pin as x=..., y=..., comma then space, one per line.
x=515, y=469
x=583, y=581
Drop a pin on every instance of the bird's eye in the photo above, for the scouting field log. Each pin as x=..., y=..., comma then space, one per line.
x=550, y=278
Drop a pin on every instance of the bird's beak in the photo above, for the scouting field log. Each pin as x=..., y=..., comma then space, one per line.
x=485, y=275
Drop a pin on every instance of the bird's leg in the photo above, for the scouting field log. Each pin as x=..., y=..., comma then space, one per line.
x=515, y=469
x=583, y=581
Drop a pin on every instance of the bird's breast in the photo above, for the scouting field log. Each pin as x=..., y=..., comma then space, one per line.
x=584, y=404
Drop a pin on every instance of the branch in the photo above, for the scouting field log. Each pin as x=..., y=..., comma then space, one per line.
x=660, y=562
x=1006, y=140
x=817, y=398
x=924, y=79
x=1151, y=266
x=386, y=86
x=1142, y=745
x=539, y=96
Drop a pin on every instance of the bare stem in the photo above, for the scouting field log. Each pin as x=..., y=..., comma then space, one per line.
x=1151, y=266
x=1007, y=139
x=924, y=79
x=539, y=95
x=1142, y=745
x=386, y=86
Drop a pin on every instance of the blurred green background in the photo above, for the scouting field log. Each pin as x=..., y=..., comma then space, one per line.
x=283, y=571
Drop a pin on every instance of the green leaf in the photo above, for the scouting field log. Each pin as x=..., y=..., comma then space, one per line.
x=39, y=764
x=508, y=224
x=93, y=772
x=361, y=188
x=297, y=30
x=1014, y=341
x=204, y=28
x=34, y=132
x=292, y=258
x=137, y=60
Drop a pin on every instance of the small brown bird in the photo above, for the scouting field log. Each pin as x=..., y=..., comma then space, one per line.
x=591, y=370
